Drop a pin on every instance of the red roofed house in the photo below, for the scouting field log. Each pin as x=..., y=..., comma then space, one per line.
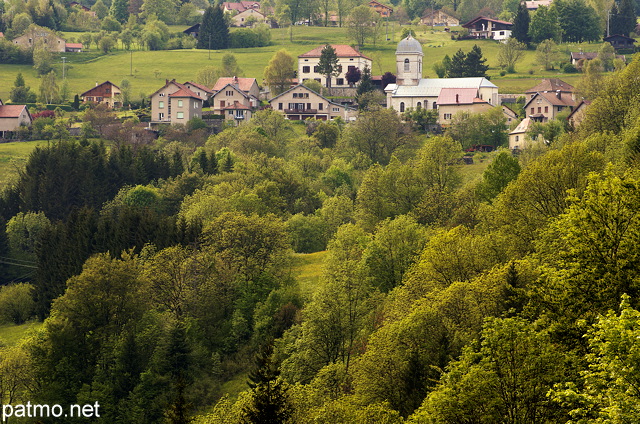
x=578, y=114
x=454, y=100
x=348, y=58
x=483, y=27
x=107, y=93
x=203, y=92
x=545, y=106
x=240, y=6
x=381, y=9
x=233, y=102
x=12, y=117
x=552, y=85
x=174, y=103
x=248, y=85
x=73, y=47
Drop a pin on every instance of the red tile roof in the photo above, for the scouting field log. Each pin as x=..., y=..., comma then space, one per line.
x=184, y=92
x=342, y=50
x=244, y=84
x=73, y=45
x=236, y=106
x=11, y=111
x=551, y=84
x=200, y=86
x=457, y=96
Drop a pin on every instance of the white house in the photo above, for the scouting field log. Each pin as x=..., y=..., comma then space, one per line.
x=348, y=58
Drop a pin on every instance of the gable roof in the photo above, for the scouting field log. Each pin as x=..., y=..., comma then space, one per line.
x=200, y=86
x=430, y=87
x=185, y=92
x=73, y=45
x=311, y=91
x=375, y=3
x=583, y=55
x=235, y=88
x=533, y=5
x=551, y=84
x=192, y=28
x=100, y=85
x=167, y=83
x=244, y=84
x=614, y=36
x=342, y=50
x=583, y=104
x=553, y=99
x=241, y=6
x=484, y=18
x=12, y=111
x=522, y=127
x=236, y=106
x=457, y=96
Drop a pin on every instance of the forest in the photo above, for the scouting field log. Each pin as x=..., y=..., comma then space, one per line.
x=162, y=272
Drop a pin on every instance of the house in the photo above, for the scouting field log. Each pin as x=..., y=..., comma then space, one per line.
x=202, y=91
x=240, y=20
x=578, y=58
x=509, y=114
x=620, y=42
x=248, y=85
x=578, y=114
x=238, y=112
x=412, y=91
x=174, y=103
x=106, y=93
x=381, y=9
x=193, y=30
x=82, y=7
x=545, y=106
x=518, y=138
x=453, y=100
x=237, y=7
x=483, y=27
x=12, y=117
x=37, y=35
x=348, y=58
x=535, y=4
x=439, y=18
x=299, y=103
x=231, y=95
x=73, y=47
x=552, y=85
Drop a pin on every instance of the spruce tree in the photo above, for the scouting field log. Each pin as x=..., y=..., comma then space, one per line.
x=366, y=84
x=76, y=102
x=474, y=63
x=625, y=19
x=457, y=65
x=328, y=64
x=521, y=25
x=214, y=32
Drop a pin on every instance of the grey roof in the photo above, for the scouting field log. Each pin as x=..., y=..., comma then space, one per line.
x=430, y=87
x=409, y=45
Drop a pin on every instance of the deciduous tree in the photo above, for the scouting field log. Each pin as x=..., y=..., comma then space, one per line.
x=280, y=72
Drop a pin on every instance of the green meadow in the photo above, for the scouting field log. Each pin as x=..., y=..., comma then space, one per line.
x=147, y=70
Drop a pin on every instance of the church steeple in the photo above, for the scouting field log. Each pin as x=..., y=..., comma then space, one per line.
x=409, y=61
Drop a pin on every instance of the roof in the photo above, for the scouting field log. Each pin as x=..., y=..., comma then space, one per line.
x=484, y=18
x=611, y=37
x=235, y=88
x=522, y=127
x=184, y=92
x=537, y=3
x=583, y=55
x=439, y=12
x=200, y=86
x=99, y=85
x=551, y=84
x=430, y=87
x=73, y=45
x=581, y=105
x=310, y=90
x=167, y=83
x=240, y=6
x=552, y=98
x=12, y=111
x=192, y=28
x=456, y=96
x=409, y=45
x=380, y=4
x=244, y=84
x=236, y=106
x=342, y=50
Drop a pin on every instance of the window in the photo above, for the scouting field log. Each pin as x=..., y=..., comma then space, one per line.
x=89, y=99
x=180, y=115
x=160, y=116
x=316, y=69
x=160, y=105
x=319, y=106
x=336, y=109
x=305, y=69
x=230, y=112
x=228, y=93
x=539, y=109
x=406, y=65
x=295, y=95
x=108, y=90
x=435, y=105
x=532, y=111
x=195, y=105
x=351, y=68
x=501, y=32
x=161, y=94
x=447, y=116
x=221, y=104
x=340, y=81
x=279, y=106
x=401, y=106
x=546, y=109
x=419, y=104
x=179, y=103
x=517, y=138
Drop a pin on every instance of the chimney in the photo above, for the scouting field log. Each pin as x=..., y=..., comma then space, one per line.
x=558, y=94
x=96, y=83
x=457, y=98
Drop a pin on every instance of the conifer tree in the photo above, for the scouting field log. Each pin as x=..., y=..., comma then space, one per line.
x=214, y=32
x=457, y=65
x=474, y=63
x=328, y=64
x=521, y=25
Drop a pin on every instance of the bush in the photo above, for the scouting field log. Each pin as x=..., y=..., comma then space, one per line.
x=247, y=37
x=568, y=68
x=503, y=73
x=307, y=233
x=16, y=303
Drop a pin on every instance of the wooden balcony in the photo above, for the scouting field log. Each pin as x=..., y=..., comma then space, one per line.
x=301, y=111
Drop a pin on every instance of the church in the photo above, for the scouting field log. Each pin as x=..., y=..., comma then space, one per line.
x=447, y=95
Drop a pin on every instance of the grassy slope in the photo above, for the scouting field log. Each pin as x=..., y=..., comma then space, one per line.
x=151, y=68
x=13, y=157
x=11, y=334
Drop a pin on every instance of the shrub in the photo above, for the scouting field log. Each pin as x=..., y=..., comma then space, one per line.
x=16, y=303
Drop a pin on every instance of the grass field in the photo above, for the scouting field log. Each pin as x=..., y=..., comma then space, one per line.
x=307, y=270
x=147, y=70
x=11, y=334
x=13, y=157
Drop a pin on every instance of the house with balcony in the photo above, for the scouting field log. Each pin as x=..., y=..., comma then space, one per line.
x=106, y=93
x=545, y=106
x=300, y=103
x=483, y=27
x=381, y=9
x=348, y=58
x=233, y=103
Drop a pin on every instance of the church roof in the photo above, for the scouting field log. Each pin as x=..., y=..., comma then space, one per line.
x=409, y=45
x=430, y=87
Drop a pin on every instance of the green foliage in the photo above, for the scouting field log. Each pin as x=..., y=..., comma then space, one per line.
x=214, y=32
x=328, y=64
x=487, y=128
x=308, y=233
x=471, y=64
x=361, y=24
x=545, y=25
x=250, y=37
x=623, y=19
x=504, y=169
x=520, y=30
x=578, y=21
x=16, y=303
x=279, y=72
x=24, y=231
x=20, y=93
x=42, y=60
x=510, y=53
